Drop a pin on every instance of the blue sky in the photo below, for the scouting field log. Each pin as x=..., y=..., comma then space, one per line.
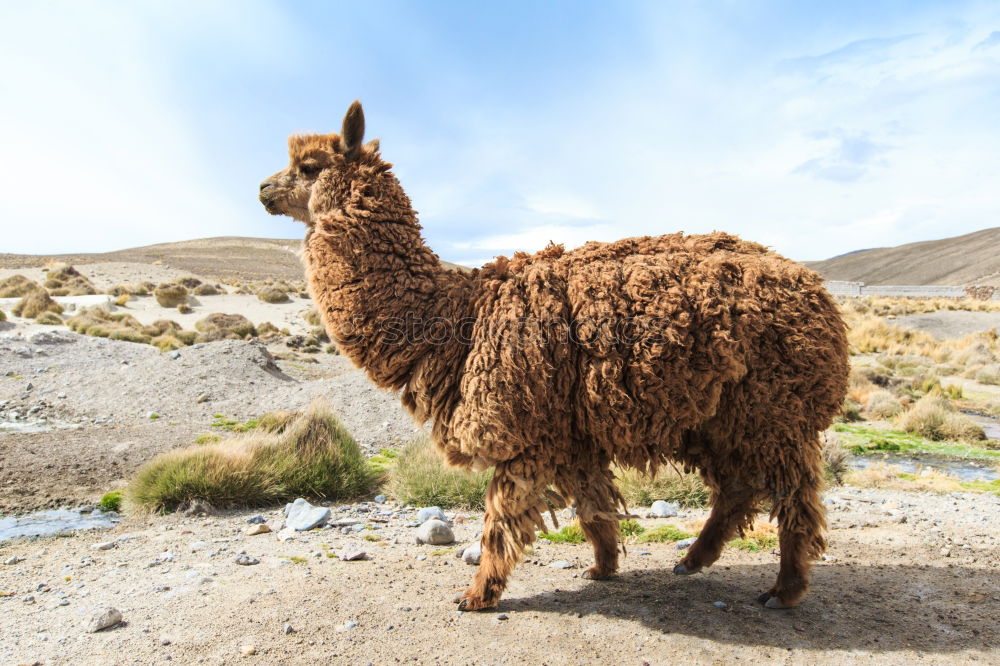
x=815, y=128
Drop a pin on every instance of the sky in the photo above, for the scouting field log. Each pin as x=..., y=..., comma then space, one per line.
x=816, y=128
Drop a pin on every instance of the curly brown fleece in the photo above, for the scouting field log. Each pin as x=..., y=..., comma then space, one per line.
x=706, y=350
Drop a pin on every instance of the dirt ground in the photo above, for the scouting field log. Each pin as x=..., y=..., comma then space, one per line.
x=926, y=590
x=947, y=324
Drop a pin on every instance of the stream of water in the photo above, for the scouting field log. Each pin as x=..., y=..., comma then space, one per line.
x=54, y=521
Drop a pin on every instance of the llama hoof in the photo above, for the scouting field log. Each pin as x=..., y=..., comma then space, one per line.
x=593, y=573
x=774, y=603
x=681, y=570
x=472, y=603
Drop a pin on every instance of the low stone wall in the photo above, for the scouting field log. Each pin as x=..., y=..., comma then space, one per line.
x=859, y=289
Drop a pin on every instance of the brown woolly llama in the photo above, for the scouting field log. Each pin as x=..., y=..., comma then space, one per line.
x=708, y=350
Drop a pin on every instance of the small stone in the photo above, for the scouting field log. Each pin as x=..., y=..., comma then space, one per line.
x=662, y=509
x=105, y=545
x=165, y=641
x=12, y=560
x=472, y=553
x=202, y=397
x=720, y=604
x=256, y=519
x=350, y=624
x=350, y=553
x=288, y=629
x=946, y=552
x=262, y=528
x=380, y=499
x=300, y=515
x=28, y=599
x=560, y=564
x=286, y=534
x=175, y=354
x=248, y=650
x=246, y=560
x=429, y=512
x=686, y=543
x=104, y=618
x=502, y=616
x=435, y=532
x=195, y=546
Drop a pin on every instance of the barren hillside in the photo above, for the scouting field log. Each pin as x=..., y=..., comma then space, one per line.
x=221, y=258
x=970, y=259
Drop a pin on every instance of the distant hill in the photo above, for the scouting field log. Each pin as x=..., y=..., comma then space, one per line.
x=970, y=259
x=222, y=258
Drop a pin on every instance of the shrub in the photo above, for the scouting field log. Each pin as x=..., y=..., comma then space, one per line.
x=663, y=534
x=64, y=280
x=188, y=282
x=669, y=484
x=35, y=303
x=207, y=438
x=267, y=330
x=882, y=404
x=111, y=501
x=989, y=374
x=272, y=295
x=630, y=528
x=170, y=295
x=421, y=478
x=314, y=457
x=131, y=289
x=277, y=422
x=312, y=317
x=935, y=418
x=762, y=536
x=17, y=286
x=49, y=319
x=219, y=326
x=184, y=308
x=850, y=411
x=206, y=290
x=3, y=316
x=122, y=300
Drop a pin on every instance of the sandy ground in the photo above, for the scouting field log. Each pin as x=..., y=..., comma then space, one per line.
x=947, y=324
x=926, y=590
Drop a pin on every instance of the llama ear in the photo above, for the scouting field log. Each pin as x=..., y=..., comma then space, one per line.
x=353, y=131
x=373, y=146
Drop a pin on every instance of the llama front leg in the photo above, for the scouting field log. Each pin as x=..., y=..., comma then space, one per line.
x=511, y=518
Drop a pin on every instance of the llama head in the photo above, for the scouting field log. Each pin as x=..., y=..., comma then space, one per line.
x=320, y=171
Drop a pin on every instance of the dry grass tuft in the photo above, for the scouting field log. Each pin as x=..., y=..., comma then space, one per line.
x=49, y=319
x=272, y=295
x=421, y=478
x=170, y=295
x=64, y=280
x=17, y=286
x=989, y=374
x=313, y=457
x=882, y=404
x=935, y=418
x=639, y=489
x=267, y=330
x=220, y=326
x=312, y=317
x=125, y=289
x=835, y=458
x=893, y=478
x=35, y=303
x=206, y=290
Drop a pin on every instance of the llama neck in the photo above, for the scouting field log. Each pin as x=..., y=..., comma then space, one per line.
x=385, y=298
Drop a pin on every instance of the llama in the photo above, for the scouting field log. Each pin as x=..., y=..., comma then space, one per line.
x=705, y=351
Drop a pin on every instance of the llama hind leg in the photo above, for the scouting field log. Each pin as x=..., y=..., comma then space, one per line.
x=596, y=497
x=512, y=514
x=801, y=523
x=734, y=506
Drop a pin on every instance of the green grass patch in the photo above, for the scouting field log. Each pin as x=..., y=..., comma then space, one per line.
x=419, y=477
x=630, y=528
x=296, y=559
x=207, y=438
x=232, y=425
x=862, y=439
x=111, y=501
x=664, y=534
x=372, y=537
x=755, y=544
x=384, y=461
x=568, y=534
x=315, y=457
x=982, y=486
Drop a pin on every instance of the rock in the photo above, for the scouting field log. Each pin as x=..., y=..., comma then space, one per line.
x=435, y=532
x=502, y=616
x=288, y=629
x=350, y=624
x=686, y=543
x=248, y=650
x=662, y=509
x=287, y=534
x=195, y=546
x=300, y=515
x=13, y=559
x=429, y=512
x=350, y=553
x=174, y=354
x=262, y=528
x=560, y=564
x=472, y=553
x=946, y=552
x=246, y=561
x=103, y=618
x=380, y=499
x=256, y=519
x=720, y=604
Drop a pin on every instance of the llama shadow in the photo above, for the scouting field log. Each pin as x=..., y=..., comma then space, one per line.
x=878, y=608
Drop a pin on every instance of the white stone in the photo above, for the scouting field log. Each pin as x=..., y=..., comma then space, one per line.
x=472, y=553
x=300, y=515
x=429, y=512
x=435, y=532
x=662, y=509
x=104, y=618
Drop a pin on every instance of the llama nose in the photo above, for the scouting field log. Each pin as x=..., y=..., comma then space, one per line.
x=266, y=184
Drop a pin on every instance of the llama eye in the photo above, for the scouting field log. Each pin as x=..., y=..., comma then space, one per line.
x=310, y=170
